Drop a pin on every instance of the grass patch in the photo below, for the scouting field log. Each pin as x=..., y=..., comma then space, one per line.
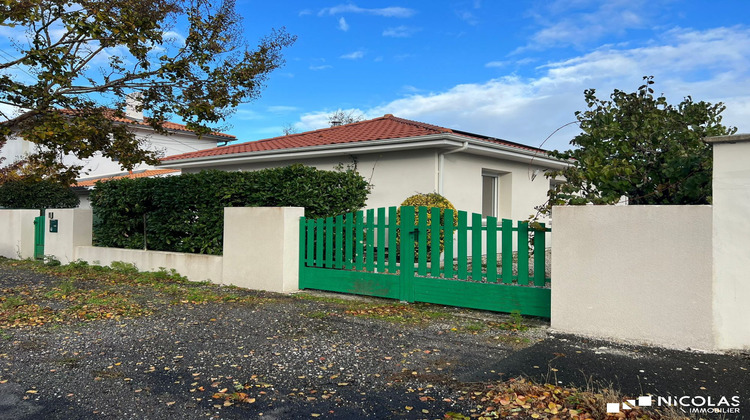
x=89, y=292
x=315, y=315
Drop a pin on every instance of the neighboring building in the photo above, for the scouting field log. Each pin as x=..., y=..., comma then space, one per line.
x=401, y=157
x=180, y=140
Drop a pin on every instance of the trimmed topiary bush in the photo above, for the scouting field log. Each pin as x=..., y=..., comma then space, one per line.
x=429, y=200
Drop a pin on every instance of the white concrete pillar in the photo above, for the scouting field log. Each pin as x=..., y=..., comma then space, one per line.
x=261, y=248
x=74, y=228
x=731, y=251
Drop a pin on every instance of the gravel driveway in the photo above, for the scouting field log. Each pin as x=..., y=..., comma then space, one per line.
x=284, y=357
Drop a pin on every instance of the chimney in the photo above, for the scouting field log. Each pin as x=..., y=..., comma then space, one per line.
x=132, y=102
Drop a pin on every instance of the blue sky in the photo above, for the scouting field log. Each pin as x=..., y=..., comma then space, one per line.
x=511, y=69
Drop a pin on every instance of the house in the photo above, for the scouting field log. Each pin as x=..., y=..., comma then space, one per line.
x=98, y=167
x=401, y=157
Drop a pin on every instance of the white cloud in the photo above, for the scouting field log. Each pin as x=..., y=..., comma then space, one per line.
x=343, y=25
x=400, y=31
x=248, y=115
x=321, y=67
x=319, y=119
x=496, y=64
x=711, y=65
x=584, y=22
x=398, y=12
x=468, y=17
x=282, y=109
x=356, y=55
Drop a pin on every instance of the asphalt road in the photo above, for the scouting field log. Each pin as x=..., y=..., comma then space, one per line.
x=301, y=358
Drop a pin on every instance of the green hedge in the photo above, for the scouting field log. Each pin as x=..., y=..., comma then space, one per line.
x=185, y=213
x=31, y=194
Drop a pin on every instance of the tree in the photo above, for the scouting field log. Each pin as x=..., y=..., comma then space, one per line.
x=341, y=117
x=640, y=147
x=289, y=129
x=78, y=61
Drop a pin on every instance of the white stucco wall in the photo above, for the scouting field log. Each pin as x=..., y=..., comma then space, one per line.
x=261, y=248
x=639, y=273
x=398, y=175
x=731, y=218
x=74, y=228
x=176, y=143
x=179, y=142
x=17, y=233
x=518, y=193
x=394, y=175
x=196, y=267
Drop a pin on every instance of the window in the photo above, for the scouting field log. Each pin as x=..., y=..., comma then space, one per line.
x=489, y=195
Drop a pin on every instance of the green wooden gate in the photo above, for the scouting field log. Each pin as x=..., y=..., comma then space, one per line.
x=365, y=253
x=39, y=226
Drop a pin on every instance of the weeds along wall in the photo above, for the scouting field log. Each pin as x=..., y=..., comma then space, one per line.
x=185, y=213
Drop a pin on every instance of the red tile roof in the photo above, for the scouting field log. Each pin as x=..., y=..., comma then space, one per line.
x=166, y=124
x=386, y=127
x=143, y=174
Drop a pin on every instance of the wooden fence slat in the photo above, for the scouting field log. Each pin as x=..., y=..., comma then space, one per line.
x=507, y=250
x=436, y=231
x=370, y=241
x=523, y=253
x=539, y=256
x=492, y=249
x=476, y=247
x=448, y=243
x=462, y=245
x=349, y=241
x=422, y=243
x=338, y=259
x=359, y=254
x=392, y=239
x=380, y=252
x=319, y=230
x=329, y=243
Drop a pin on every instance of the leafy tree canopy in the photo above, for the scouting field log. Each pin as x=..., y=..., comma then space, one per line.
x=77, y=61
x=641, y=147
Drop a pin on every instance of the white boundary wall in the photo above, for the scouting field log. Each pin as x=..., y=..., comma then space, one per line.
x=196, y=267
x=731, y=218
x=261, y=246
x=674, y=276
x=640, y=273
x=17, y=233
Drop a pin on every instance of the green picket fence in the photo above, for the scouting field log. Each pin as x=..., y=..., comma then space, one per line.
x=397, y=253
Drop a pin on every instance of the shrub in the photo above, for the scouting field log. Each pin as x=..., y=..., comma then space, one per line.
x=185, y=213
x=429, y=200
x=28, y=193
